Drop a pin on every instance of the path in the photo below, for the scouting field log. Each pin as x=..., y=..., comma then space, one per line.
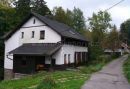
x=110, y=77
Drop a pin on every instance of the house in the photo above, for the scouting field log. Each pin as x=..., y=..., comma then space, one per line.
x=40, y=43
x=118, y=51
x=125, y=47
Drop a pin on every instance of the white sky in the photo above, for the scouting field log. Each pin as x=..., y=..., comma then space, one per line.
x=119, y=13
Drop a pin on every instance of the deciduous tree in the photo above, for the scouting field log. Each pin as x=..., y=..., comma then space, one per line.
x=99, y=24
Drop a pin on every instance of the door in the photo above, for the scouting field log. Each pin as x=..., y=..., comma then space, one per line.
x=40, y=63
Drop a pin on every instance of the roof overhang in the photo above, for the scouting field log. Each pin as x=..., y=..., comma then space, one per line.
x=45, y=49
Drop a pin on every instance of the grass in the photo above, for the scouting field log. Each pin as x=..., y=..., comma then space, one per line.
x=64, y=79
x=126, y=68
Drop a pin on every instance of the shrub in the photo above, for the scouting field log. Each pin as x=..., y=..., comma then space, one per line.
x=91, y=68
x=95, y=52
x=47, y=83
x=104, y=58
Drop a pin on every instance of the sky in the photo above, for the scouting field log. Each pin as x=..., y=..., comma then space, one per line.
x=119, y=13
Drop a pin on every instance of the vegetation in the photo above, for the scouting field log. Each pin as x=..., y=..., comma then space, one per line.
x=99, y=23
x=47, y=83
x=72, y=79
x=111, y=40
x=127, y=68
x=74, y=18
x=125, y=32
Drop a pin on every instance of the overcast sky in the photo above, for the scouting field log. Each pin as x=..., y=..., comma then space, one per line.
x=119, y=13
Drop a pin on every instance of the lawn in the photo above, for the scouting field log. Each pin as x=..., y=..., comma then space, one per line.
x=72, y=79
x=68, y=79
x=126, y=68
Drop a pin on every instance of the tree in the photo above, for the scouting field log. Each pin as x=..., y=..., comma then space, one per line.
x=22, y=8
x=5, y=2
x=39, y=6
x=99, y=23
x=60, y=14
x=78, y=20
x=6, y=23
x=112, y=40
x=74, y=19
x=125, y=31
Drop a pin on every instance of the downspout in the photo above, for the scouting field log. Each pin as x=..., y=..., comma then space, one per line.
x=9, y=57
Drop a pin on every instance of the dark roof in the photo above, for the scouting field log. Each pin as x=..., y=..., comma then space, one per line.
x=60, y=28
x=37, y=49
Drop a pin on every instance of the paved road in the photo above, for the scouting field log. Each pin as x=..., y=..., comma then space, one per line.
x=110, y=77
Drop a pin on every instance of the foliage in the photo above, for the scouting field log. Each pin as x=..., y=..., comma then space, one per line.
x=126, y=68
x=78, y=20
x=47, y=83
x=95, y=51
x=60, y=14
x=39, y=6
x=125, y=31
x=5, y=2
x=22, y=8
x=91, y=68
x=99, y=23
x=112, y=41
x=74, y=19
x=6, y=23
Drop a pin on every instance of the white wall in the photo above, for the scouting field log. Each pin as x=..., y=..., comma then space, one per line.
x=15, y=40
x=10, y=44
x=50, y=35
x=68, y=49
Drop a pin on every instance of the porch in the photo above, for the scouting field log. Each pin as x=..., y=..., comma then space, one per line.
x=29, y=64
x=32, y=57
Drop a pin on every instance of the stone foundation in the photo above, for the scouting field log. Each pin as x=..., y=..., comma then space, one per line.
x=8, y=74
x=19, y=75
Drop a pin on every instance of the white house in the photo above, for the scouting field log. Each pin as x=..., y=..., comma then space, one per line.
x=40, y=43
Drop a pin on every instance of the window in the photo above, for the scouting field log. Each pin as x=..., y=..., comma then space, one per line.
x=34, y=21
x=68, y=58
x=65, y=62
x=22, y=35
x=23, y=62
x=32, y=34
x=42, y=34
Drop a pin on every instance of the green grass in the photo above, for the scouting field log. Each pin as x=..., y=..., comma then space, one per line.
x=126, y=68
x=64, y=79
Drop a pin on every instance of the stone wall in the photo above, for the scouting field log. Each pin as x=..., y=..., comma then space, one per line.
x=8, y=74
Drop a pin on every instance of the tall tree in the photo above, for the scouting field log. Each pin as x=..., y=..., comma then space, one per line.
x=5, y=2
x=6, y=23
x=74, y=19
x=99, y=23
x=78, y=20
x=125, y=31
x=22, y=8
x=112, y=40
x=59, y=14
x=40, y=7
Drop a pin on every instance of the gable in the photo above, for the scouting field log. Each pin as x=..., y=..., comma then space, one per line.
x=50, y=35
x=60, y=28
x=32, y=22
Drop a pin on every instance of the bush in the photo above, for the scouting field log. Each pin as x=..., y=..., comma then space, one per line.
x=115, y=55
x=95, y=52
x=104, y=58
x=91, y=68
x=47, y=83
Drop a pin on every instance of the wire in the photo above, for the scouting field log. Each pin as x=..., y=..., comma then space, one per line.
x=114, y=5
